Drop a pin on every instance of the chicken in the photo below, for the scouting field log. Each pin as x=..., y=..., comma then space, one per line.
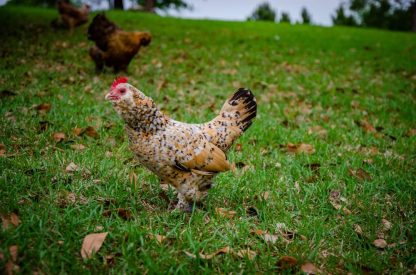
x=113, y=46
x=185, y=156
x=72, y=16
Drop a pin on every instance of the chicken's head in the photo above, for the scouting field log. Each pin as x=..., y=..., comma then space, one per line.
x=123, y=94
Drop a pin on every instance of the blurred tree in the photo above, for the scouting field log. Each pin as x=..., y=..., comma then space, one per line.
x=151, y=5
x=341, y=18
x=306, y=17
x=285, y=18
x=118, y=4
x=386, y=14
x=264, y=12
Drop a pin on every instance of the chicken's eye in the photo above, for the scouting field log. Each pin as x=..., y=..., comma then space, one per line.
x=122, y=91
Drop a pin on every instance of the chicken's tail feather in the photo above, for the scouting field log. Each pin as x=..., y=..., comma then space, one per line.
x=241, y=107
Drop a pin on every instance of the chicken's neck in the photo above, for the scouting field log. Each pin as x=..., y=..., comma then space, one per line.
x=146, y=118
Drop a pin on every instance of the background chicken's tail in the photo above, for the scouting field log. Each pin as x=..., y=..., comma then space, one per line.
x=235, y=117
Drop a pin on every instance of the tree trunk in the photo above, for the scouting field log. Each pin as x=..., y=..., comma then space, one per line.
x=149, y=6
x=118, y=4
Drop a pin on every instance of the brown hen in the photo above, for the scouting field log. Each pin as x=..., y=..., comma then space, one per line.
x=113, y=46
x=72, y=16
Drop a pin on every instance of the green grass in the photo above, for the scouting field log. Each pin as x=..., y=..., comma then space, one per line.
x=303, y=76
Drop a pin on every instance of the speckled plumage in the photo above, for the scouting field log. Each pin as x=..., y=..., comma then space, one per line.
x=185, y=156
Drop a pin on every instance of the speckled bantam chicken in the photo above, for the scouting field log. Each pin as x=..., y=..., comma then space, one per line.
x=185, y=156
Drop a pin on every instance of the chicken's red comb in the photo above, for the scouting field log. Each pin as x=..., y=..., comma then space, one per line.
x=119, y=80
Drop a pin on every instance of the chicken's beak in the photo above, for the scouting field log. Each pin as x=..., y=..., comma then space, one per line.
x=111, y=96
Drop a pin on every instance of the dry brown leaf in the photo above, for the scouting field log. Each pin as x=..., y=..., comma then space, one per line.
x=338, y=206
x=386, y=224
x=43, y=108
x=309, y=268
x=367, y=127
x=58, y=136
x=91, y=132
x=78, y=147
x=71, y=197
x=411, y=132
x=246, y=253
x=13, y=250
x=286, y=262
x=158, y=238
x=269, y=238
x=380, y=243
x=91, y=244
x=11, y=268
x=358, y=229
x=360, y=174
x=77, y=131
x=239, y=147
x=8, y=219
x=265, y=195
x=318, y=130
x=2, y=150
x=300, y=148
x=223, y=250
x=225, y=213
x=72, y=167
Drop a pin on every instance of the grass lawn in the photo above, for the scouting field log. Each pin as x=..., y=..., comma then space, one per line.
x=326, y=173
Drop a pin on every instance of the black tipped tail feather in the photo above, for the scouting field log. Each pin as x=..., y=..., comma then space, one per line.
x=243, y=105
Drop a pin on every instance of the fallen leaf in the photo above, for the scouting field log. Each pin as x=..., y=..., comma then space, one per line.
x=91, y=244
x=11, y=268
x=77, y=131
x=367, y=127
x=246, y=253
x=338, y=206
x=71, y=197
x=360, y=174
x=286, y=262
x=13, y=250
x=158, y=238
x=8, y=219
x=91, y=132
x=265, y=195
x=223, y=250
x=58, y=136
x=239, y=147
x=411, y=132
x=2, y=150
x=78, y=147
x=43, y=108
x=225, y=213
x=358, y=229
x=300, y=148
x=269, y=238
x=309, y=268
x=72, y=167
x=318, y=130
x=386, y=224
x=380, y=243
